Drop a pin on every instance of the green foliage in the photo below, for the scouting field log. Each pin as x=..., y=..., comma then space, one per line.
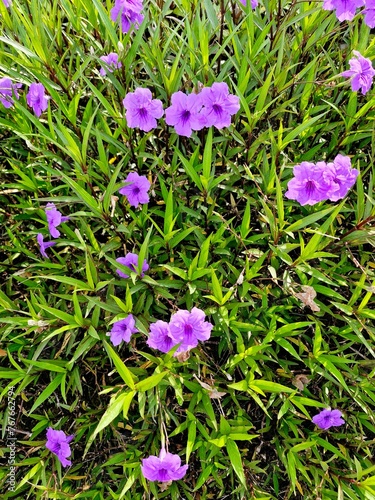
x=218, y=234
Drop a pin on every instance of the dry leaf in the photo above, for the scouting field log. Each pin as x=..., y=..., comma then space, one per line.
x=307, y=297
x=300, y=381
x=183, y=356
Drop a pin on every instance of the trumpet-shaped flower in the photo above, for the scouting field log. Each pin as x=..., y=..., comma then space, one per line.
x=8, y=90
x=37, y=99
x=340, y=177
x=307, y=186
x=122, y=330
x=184, y=113
x=160, y=337
x=131, y=262
x=111, y=63
x=166, y=467
x=188, y=328
x=127, y=13
x=345, y=9
x=142, y=110
x=361, y=73
x=58, y=443
x=328, y=418
x=219, y=105
x=136, y=189
x=44, y=245
x=54, y=219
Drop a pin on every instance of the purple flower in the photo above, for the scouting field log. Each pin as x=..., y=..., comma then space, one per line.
x=361, y=73
x=142, y=110
x=136, y=189
x=43, y=246
x=122, y=330
x=165, y=467
x=189, y=327
x=58, y=443
x=345, y=9
x=7, y=3
x=184, y=113
x=307, y=186
x=131, y=262
x=160, y=337
x=369, y=13
x=340, y=176
x=54, y=219
x=128, y=13
x=7, y=91
x=254, y=3
x=37, y=99
x=328, y=418
x=219, y=105
x=112, y=63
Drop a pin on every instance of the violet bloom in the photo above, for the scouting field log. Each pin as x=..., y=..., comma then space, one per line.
x=142, y=110
x=131, y=262
x=189, y=327
x=128, y=13
x=122, y=330
x=112, y=63
x=254, y=3
x=345, y=9
x=219, y=105
x=184, y=113
x=307, y=186
x=328, y=418
x=361, y=72
x=8, y=90
x=160, y=337
x=54, y=219
x=7, y=3
x=340, y=176
x=165, y=467
x=58, y=443
x=369, y=13
x=44, y=245
x=37, y=99
x=136, y=189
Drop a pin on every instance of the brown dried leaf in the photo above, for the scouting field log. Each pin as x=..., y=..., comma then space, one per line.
x=307, y=297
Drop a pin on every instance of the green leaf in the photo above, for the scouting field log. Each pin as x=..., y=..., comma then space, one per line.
x=122, y=369
x=236, y=461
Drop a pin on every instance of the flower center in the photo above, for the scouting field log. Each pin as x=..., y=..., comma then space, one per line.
x=136, y=190
x=143, y=113
x=163, y=475
x=310, y=187
x=217, y=108
x=188, y=329
x=185, y=115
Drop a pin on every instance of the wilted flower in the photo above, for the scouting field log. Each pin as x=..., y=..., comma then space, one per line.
x=340, y=176
x=345, y=9
x=328, y=418
x=188, y=328
x=54, y=219
x=44, y=245
x=160, y=337
x=361, y=72
x=184, y=113
x=307, y=186
x=8, y=89
x=37, y=99
x=142, y=110
x=369, y=13
x=165, y=467
x=131, y=261
x=58, y=443
x=219, y=105
x=136, y=189
x=122, y=330
x=112, y=63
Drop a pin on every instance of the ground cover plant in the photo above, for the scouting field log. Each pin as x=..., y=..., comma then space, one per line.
x=186, y=249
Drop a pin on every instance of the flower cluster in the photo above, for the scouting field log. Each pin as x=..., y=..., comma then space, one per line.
x=54, y=219
x=313, y=183
x=361, y=72
x=213, y=106
x=185, y=328
x=128, y=14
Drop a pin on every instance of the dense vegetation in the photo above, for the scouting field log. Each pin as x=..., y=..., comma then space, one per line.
x=218, y=234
